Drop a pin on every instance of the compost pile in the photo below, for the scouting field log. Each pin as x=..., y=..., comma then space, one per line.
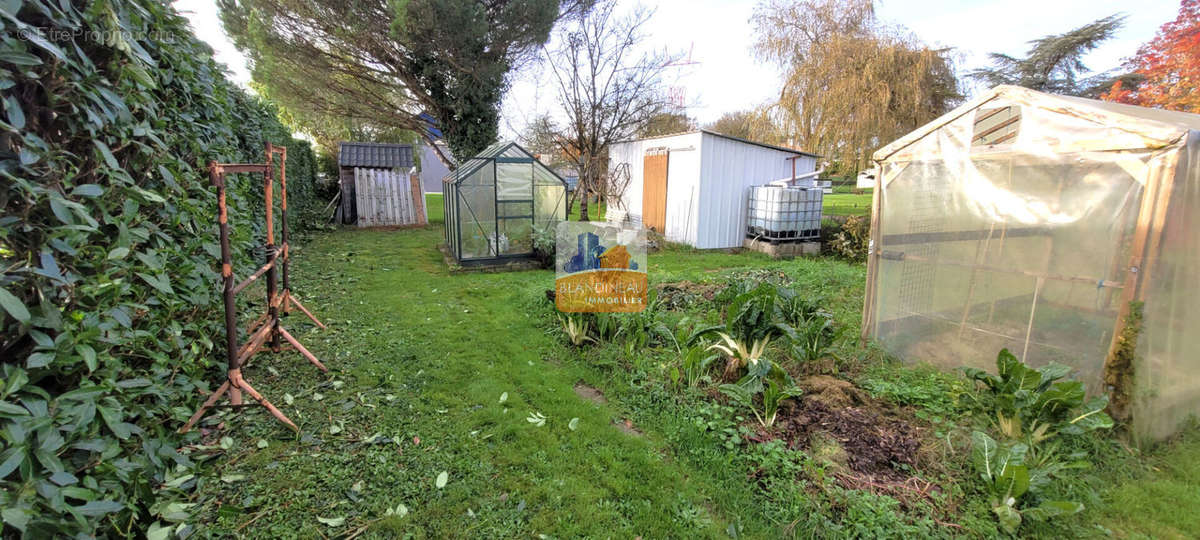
x=874, y=441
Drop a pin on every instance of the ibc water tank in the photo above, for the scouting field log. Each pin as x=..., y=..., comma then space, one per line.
x=784, y=214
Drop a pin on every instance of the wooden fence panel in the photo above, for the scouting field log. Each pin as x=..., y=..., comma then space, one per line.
x=386, y=198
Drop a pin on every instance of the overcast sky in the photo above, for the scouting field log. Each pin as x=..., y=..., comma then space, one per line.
x=727, y=76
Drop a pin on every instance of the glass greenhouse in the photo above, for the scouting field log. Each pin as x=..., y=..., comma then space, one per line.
x=1045, y=225
x=494, y=201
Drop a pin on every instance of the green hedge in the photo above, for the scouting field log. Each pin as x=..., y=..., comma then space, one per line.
x=111, y=109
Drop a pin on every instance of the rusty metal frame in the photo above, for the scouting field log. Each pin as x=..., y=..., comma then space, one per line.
x=266, y=329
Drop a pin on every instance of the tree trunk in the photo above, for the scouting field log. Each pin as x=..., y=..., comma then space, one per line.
x=583, y=206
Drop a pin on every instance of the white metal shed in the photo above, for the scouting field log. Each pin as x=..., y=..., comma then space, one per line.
x=698, y=180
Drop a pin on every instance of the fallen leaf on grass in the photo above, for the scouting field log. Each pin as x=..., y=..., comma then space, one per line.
x=442, y=479
x=332, y=522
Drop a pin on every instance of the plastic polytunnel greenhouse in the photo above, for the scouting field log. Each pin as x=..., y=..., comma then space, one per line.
x=494, y=201
x=1063, y=229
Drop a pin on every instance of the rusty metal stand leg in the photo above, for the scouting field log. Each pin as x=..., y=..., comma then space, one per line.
x=304, y=351
x=208, y=403
x=297, y=303
x=236, y=377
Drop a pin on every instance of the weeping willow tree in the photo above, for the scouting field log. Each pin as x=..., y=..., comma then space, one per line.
x=851, y=84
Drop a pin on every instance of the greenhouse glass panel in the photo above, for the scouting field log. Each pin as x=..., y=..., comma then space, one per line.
x=514, y=181
x=515, y=152
x=543, y=177
x=549, y=204
x=477, y=219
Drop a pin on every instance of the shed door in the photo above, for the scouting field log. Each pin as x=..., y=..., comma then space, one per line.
x=654, y=189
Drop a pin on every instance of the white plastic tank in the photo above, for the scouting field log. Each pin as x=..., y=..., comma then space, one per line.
x=784, y=214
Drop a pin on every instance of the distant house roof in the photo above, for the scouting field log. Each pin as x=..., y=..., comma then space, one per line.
x=732, y=138
x=379, y=155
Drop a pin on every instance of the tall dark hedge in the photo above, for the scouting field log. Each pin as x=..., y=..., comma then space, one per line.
x=108, y=246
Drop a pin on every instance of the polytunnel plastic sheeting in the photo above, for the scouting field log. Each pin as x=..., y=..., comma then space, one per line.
x=1016, y=251
x=1167, y=366
x=1026, y=243
x=1030, y=222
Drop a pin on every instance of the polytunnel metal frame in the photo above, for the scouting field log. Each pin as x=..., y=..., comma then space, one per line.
x=494, y=156
x=1165, y=147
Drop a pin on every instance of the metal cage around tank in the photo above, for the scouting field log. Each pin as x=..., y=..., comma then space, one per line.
x=784, y=214
x=494, y=203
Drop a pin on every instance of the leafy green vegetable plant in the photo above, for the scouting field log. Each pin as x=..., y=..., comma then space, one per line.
x=1008, y=479
x=576, y=330
x=772, y=395
x=815, y=338
x=1032, y=407
x=693, y=367
x=1034, y=404
x=753, y=319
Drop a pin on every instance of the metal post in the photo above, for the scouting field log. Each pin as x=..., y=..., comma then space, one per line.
x=272, y=275
x=283, y=215
x=231, y=342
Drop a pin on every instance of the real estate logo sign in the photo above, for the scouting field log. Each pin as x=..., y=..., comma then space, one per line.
x=599, y=268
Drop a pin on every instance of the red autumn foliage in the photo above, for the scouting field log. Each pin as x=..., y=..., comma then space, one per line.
x=1170, y=64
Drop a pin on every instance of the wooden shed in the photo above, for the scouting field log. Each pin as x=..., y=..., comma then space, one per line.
x=379, y=186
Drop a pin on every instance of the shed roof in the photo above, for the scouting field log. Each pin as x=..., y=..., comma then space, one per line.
x=732, y=138
x=380, y=155
x=1156, y=124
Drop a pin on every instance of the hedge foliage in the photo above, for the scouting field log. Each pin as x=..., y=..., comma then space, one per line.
x=111, y=110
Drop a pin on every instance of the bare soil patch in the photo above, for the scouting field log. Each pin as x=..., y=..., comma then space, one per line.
x=590, y=393
x=627, y=427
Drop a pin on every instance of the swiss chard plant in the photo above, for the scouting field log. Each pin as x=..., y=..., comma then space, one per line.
x=1009, y=479
x=694, y=365
x=773, y=393
x=753, y=319
x=1033, y=409
x=576, y=329
x=1034, y=405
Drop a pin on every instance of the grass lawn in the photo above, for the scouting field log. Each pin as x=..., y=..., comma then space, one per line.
x=847, y=204
x=466, y=378
x=433, y=202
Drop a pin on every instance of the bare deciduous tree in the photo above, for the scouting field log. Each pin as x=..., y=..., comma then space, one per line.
x=608, y=87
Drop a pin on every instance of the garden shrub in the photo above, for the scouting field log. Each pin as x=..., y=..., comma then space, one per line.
x=851, y=242
x=108, y=239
